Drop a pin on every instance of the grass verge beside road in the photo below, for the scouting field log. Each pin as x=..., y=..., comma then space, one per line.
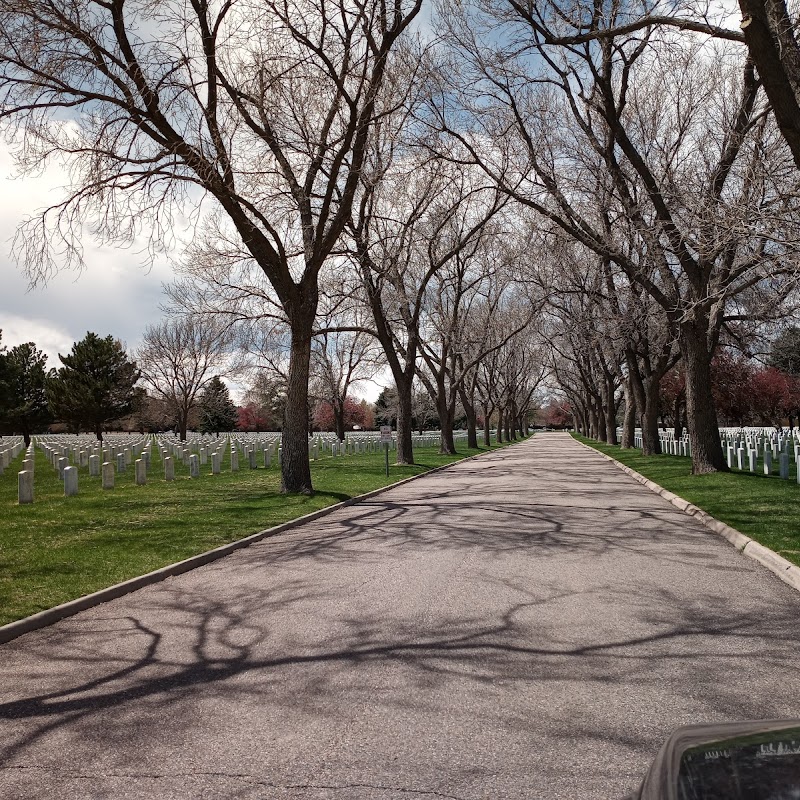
x=61, y=548
x=765, y=508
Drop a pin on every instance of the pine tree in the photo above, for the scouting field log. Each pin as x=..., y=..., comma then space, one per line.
x=95, y=385
x=217, y=410
x=23, y=403
x=785, y=351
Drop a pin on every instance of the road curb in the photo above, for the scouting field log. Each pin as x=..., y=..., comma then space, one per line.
x=51, y=615
x=789, y=573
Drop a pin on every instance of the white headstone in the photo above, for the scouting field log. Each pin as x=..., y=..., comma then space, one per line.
x=70, y=481
x=108, y=475
x=141, y=472
x=25, y=487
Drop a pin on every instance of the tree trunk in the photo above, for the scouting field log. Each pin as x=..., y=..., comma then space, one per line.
x=647, y=395
x=592, y=422
x=338, y=420
x=611, y=411
x=447, y=444
x=487, y=427
x=295, y=465
x=651, y=444
x=583, y=419
x=472, y=430
x=26, y=437
x=629, y=421
x=602, y=425
x=405, y=449
x=701, y=415
x=472, y=421
x=98, y=431
x=499, y=425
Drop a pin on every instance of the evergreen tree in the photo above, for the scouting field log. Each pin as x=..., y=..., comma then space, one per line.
x=95, y=385
x=23, y=403
x=784, y=353
x=217, y=410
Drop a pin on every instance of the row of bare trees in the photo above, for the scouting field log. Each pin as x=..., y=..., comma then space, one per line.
x=661, y=182
x=604, y=179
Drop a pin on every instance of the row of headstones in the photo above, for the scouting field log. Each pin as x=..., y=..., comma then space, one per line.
x=9, y=450
x=91, y=457
x=106, y=471
x=762, y=442
x=742, y=452
x=675, y=447
x=747, y=459
x=214, y=451
x=58, y=457
x=669, y=446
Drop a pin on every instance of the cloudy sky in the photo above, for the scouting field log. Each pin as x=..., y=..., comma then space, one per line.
x=114, y=295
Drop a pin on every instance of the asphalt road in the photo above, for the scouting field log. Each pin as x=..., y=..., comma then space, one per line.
x=529, y=624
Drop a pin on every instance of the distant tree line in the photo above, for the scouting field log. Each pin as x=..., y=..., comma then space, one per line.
x=97, y=387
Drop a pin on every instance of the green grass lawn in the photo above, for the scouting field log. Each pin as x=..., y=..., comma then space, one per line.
x=60, y=548
x=765, y=508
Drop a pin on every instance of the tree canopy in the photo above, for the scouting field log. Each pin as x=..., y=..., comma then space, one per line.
x=95, y=385
x=23, y=402
x=217, y=410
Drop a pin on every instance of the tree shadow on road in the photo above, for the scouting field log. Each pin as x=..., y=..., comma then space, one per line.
x=605, y=619
x=184, y=649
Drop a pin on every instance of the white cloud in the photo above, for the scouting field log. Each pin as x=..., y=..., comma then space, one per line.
x=50, y=338
x=114, y=295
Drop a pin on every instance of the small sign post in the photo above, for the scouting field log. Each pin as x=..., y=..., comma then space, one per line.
x=386, y=438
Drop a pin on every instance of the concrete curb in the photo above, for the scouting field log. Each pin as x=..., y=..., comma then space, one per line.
x=44, y=618
x=785, y=570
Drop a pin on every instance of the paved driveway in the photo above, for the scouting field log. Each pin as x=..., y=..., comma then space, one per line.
x=529, y=624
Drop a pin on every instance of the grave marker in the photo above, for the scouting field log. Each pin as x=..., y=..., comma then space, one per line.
x=25, y=487
x=108, y=475
x=70, y=481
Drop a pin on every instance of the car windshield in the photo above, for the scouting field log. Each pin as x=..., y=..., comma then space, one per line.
x=764, y=766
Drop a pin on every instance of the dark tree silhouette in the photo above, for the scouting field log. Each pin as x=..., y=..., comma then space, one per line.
x=217, y=410
x=95, y=385
x=23, y=403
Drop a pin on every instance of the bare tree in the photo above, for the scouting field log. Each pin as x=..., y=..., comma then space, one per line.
x=626, y=335
x=176, y=359
x=623, y=116
x=343, y=355
x=261, y=108
x=404, y=232
x=767, y=28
